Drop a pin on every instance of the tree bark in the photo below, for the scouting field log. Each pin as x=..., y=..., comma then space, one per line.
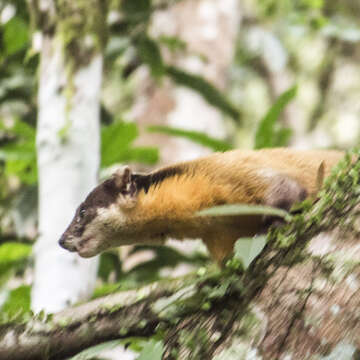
x=209, y=29
x=67, y=146
x=298, y=299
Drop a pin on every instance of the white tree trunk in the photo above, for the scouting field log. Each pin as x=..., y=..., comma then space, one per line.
x=68, y=166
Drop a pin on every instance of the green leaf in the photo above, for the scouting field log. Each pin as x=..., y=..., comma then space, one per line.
x=91, y=352
x=150, y=54
x=146, y=155
x=153, y=350
x=114, y=139
x=23, y=129
x=16, y=35
x=136, y=11
x=116, y=145
x=109, y=264
x=13, y=256
x=11, y=253
x=24, y=168
x=282, y=137
x=195, y=136
x=173, y=43
x=246, y=249
x=20, y=155
x=208, y=91
x=267, y=134
x=17, y=304
x=244, y=209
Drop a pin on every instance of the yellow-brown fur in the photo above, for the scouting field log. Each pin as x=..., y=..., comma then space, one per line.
x=222, y=179
x=167, y=207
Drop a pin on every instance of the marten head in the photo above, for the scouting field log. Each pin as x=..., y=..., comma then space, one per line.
x=112, y=214
x=98, y=219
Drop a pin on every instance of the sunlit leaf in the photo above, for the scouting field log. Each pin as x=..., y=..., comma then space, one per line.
x=91, y=352
x=116, y=145
x=153, y=350
x=12, y=251
x=208, y=91
x=268, y=133
x=17, y=302
x=12, y=254
x=114, y=139
x=246, y=249
x=243, y=209
x=195, y=136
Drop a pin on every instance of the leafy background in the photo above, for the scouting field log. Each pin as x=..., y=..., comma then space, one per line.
x=322, y=41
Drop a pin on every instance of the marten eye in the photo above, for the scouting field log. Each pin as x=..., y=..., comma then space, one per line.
x=82, y=213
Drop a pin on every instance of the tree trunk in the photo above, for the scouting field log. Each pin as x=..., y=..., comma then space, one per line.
x=209, y=29
x=298, y=299
x=67, y=150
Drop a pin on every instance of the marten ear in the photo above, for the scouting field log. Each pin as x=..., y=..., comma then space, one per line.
x=320, y=177
x=126, y=186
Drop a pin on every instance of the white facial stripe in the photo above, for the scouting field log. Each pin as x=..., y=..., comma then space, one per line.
x=112, y=215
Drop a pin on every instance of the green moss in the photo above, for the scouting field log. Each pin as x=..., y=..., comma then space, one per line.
x=63, y=322
x=123, y=331
x=195, y=341
x=336, y=198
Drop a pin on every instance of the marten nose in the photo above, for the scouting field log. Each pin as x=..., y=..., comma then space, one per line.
x=62, y=241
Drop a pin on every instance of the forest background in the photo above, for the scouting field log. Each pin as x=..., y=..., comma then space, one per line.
x=88, y=86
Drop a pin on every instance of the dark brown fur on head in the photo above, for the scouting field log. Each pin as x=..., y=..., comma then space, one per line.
x=97, y=220
x=102, y=197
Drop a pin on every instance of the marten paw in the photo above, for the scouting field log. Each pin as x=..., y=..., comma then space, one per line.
x=126, y=186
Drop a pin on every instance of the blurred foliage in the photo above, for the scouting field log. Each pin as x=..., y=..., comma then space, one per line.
x=300, y=11
x=91, y=352
x=15, y=36
x=12, y=253
x=19, y=154
x=195, y=136
x=270, y=133
x=148, y=349
x=17, y=304
x=306, y=30
x=14, y=258
x=150, y=54
x=145, y=272
x=116, y=145
x=152, y=350
x=212, y=95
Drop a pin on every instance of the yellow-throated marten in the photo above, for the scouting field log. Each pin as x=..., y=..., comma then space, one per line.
x=134, y=208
